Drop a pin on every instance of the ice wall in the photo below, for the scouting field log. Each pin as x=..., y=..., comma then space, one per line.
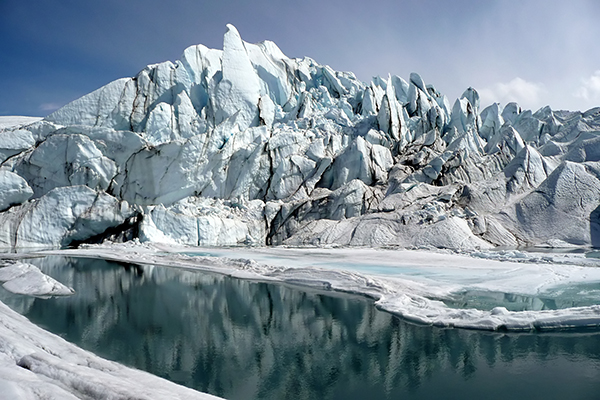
x=246, y=145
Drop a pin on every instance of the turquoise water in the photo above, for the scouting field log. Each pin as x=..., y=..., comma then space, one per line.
x=247, y=340
x=575, y=295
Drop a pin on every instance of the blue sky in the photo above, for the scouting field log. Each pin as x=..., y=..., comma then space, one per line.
x=535, y=52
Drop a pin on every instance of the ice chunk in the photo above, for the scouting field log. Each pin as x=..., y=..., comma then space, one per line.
x=492, y=122
x=14, y=190
x=564, y=206
x=14, y=141
x=23, y=278
x=62, y=216
x=510, y=112
x=239, y=89
x=65, y=160
x=87, y=109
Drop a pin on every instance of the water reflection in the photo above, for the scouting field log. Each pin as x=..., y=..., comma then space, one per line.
x=244, y=340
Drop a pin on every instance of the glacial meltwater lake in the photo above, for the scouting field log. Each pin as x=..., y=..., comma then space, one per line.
x=246, y=340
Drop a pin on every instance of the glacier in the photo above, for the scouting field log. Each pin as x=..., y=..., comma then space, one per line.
x=247, y=146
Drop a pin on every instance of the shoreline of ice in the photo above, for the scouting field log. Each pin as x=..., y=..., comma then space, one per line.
x=36, y=364
x=406, y=283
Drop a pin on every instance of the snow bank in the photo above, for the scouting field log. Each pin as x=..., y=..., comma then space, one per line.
x=16, y=120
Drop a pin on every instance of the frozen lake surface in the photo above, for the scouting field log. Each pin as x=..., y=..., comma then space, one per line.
x=548, y=279
x=243, y=339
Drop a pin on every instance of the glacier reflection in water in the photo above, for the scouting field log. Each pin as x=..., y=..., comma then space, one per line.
x=246, y=340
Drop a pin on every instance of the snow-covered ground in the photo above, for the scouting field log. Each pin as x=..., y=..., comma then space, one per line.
x=10, y=120
x=409, y=283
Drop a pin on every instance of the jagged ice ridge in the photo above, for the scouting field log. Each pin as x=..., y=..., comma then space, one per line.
x=246, y=145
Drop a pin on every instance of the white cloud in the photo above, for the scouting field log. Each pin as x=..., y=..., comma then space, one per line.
x=590, y=87
x=49, y=107
x=527, y=94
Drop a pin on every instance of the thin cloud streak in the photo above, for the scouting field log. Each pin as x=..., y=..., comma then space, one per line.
x=50, y=107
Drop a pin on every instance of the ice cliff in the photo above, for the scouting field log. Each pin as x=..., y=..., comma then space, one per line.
x=246, y=145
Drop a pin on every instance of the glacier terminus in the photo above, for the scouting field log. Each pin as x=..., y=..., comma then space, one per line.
x=247, y=146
